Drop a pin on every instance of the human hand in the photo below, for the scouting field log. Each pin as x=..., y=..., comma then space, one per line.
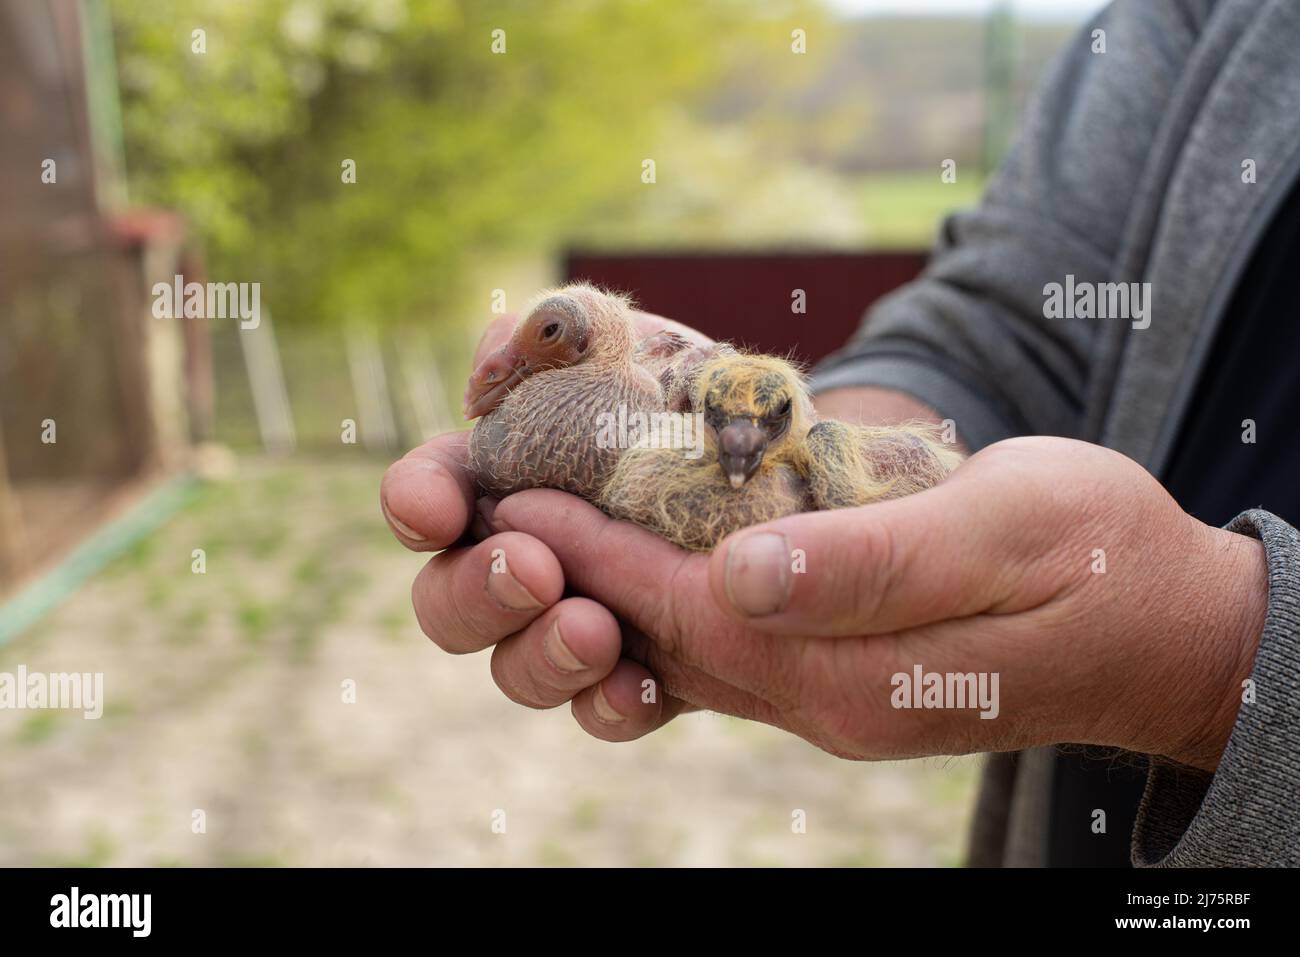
x=1110, y=616
x=506, y=590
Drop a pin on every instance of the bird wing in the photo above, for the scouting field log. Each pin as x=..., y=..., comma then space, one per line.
x=849, y=465
x=675, y=361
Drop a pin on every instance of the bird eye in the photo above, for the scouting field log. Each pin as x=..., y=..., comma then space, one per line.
x=785, y=408
x=551, y=330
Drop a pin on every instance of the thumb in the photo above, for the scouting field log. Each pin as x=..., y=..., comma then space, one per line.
x=874, y=569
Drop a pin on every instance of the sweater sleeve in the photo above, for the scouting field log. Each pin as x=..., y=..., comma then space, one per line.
x=969, y=336
x=1246, y=814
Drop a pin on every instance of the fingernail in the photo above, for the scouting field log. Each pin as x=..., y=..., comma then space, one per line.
x=604, y=712
x=758, y=573
x=505, y=588
x=405, y=530
x=559, y=654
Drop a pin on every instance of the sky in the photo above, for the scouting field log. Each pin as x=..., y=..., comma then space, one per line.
x=1069, y=10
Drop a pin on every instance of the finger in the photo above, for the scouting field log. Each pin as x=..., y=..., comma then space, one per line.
x=879, y=568
x=701, y=690
x=626, y=705
x=427, y=496
x=625, y=568
x=468, y=599
x=566, y=650
x=577, y=643
x=650, y=584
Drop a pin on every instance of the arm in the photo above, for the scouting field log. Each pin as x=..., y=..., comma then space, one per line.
x=968, y=338
x=1149, y=656
x=872, y=405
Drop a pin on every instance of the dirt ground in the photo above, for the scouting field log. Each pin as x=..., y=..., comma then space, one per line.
x=224, y=696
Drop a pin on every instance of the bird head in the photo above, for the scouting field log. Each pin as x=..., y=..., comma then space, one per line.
x=752, y=406
x=562, y=328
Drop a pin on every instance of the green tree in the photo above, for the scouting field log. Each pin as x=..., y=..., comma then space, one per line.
x=460, y=148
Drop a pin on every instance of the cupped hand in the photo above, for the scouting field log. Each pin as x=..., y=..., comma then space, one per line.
x=1107, y=614
x=507, y=589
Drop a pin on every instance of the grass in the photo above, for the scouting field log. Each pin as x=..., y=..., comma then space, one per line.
x=904, y=210
x=98, y=852
x=225, y=695
x=38, y=727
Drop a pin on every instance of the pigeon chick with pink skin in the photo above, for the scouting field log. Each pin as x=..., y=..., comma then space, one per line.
x=538, y=398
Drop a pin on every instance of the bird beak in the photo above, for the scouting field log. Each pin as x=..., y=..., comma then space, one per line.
x=495, y=376
x=741, y=445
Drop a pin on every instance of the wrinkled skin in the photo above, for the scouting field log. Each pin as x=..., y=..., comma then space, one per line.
x=992, y=571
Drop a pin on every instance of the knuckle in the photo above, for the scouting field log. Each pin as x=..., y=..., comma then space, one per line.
x=516, y=681
x=441, y=596
x=841, y=731
x=665, y=620
x=424, y=615
x=874, y=572
x=679, y=612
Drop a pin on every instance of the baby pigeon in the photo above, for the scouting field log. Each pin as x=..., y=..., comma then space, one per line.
x=765, y=457
x=539, y=397
x=755, y=449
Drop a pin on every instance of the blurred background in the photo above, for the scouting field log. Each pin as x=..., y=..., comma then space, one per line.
x=190, y=507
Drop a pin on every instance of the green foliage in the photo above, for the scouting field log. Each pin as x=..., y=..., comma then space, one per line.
x=459, y=151
x=903, y=210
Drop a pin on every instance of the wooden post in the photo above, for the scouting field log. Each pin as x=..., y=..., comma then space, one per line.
x=370, y=386
x=266, y=378
x=424, y=388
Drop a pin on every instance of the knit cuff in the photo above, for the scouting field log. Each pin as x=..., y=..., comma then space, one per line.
x=1247, y=814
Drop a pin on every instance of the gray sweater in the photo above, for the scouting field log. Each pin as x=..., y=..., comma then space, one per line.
x=1129, y=168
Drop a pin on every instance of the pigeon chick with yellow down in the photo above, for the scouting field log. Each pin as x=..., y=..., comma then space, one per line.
x=766, y=456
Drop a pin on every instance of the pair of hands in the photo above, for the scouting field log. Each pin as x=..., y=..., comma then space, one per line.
x=1109, y=615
